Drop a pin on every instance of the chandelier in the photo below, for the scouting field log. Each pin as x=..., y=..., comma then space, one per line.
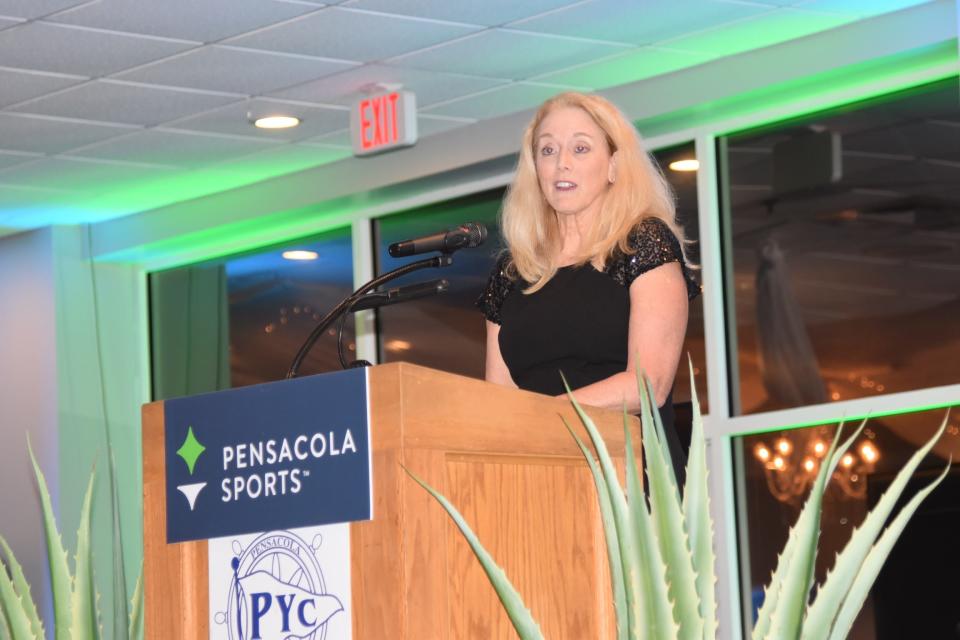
x=792, y=461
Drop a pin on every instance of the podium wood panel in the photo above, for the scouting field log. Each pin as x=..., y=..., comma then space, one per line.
x=504, y=459
x=536, y=517
x=175, y=596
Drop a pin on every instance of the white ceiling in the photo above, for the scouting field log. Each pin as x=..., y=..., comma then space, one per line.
x=107, y=97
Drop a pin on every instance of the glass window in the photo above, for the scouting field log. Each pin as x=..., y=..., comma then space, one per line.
x=275, y=302
x=447, y=331
x=189, y=331
x=844, y=229
x=777, y=468
x=675, y=162
x=240, y=320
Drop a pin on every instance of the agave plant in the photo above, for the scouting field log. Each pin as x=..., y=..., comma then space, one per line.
x=660, y=548
x=75, y=599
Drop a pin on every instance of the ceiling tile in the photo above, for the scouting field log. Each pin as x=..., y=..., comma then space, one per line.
x=243, y=71
x=64, y=49
x=171, y=148
x=351, y=35
x=282, y=159
x=339, y=138
x=236, y=120
x=24, y=85
x=764, y=30
x=79, y=175
x=636, y=22
x=427, y=125
x=12, y=159
x=499, y=101
x=489, y=13
x=858, y=7
x=346, y=87
x=502, y=53
x=48, y=135
x=632, y=66
x=30, y=9
x=107, y=101
x=204, y=21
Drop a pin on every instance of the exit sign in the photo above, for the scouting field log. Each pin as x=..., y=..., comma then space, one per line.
x=383, y=121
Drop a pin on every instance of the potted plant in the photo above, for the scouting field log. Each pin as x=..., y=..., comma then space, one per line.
x=660, y=547
x=76, y=615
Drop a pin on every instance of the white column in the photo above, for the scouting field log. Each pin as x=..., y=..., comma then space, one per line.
x=28, y=390
x=103, y=378
x=361, y=236
x=719, y=459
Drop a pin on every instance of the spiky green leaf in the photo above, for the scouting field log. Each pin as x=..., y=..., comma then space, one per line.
x=793, y=577
x=521, y=618
x=83, y=602
x=135, y=630
x=14, y=610
x=626, y=533
x=610, y=535
x=823, y=611
x=60, y=578
x=771, y=593
x=874, y=561
x=652, y=567
x=22, y=589
x=4, y=627
x=667, y=519
x=121, y=614
x=696, y=514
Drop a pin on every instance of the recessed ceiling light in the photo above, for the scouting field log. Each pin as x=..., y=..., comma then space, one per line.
x=685, y=165
x=276, y=122
x=300, y=254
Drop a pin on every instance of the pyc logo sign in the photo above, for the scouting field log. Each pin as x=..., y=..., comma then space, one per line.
x=277, y=591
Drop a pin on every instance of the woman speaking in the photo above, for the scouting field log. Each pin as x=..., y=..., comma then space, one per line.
x=594, y=282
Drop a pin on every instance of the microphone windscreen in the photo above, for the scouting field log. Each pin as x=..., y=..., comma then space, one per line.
x=478, y=233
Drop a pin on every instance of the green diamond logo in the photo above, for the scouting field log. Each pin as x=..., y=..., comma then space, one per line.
x=190, y=450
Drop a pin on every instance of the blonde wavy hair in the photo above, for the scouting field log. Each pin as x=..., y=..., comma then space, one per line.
x=529, y=224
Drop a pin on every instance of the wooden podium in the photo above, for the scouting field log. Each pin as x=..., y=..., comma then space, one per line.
x=506, y=462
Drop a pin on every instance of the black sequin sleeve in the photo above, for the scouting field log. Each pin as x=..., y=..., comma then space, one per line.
x=498, y=286
x=653, y=244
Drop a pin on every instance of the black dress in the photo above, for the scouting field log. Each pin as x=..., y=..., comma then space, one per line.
x=578, y=322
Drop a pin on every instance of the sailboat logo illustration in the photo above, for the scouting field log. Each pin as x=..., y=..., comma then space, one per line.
x=277, y=591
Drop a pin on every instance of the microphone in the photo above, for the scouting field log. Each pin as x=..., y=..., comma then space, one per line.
x=470, y=234
x=377, y=299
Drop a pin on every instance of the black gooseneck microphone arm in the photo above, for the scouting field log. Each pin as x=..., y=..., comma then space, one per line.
x=443, y=260
x=378, y=299
x=343, y=358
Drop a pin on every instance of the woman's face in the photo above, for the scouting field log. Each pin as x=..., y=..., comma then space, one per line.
x=574, y=164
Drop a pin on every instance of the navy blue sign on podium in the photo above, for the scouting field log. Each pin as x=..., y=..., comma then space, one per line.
x=270, y=456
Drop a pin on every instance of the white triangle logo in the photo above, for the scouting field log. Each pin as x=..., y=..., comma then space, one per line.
x=191, y=491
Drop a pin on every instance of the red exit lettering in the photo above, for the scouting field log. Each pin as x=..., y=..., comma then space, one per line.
x=379, y=122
